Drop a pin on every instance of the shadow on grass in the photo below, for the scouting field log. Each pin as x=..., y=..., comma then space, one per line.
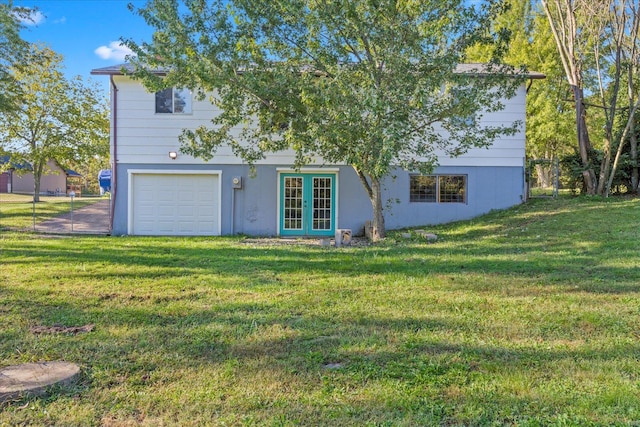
x=131, y=344
x=583, y=263
x=164, y=306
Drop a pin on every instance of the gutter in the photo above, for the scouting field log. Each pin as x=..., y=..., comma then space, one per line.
x=114, y=136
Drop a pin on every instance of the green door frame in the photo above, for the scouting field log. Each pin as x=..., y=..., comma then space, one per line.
x=307, y=204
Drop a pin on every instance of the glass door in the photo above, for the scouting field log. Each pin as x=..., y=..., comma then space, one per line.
x=307, y=204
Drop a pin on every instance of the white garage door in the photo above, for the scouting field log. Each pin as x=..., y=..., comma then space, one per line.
x=174, y=204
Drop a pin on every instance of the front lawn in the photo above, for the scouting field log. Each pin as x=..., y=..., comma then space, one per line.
x=529, y=316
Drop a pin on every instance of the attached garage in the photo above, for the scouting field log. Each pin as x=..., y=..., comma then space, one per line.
x=174, y=203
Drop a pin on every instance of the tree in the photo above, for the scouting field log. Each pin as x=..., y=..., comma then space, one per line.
x=368, y=83
x=598, y=42
x=58, y=119
x=12, y=50
x=565, y=23
x=616, y=49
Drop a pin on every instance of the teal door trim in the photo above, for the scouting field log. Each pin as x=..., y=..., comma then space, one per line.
x=307, y=204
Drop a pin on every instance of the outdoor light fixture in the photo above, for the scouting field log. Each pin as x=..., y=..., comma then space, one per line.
x=173, y=155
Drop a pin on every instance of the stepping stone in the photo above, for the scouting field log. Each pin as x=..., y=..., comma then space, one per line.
x=35, y=378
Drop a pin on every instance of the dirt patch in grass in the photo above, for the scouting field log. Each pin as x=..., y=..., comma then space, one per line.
x=59, y=329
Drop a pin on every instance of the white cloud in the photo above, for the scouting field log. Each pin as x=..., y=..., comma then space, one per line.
x=35, y=18
x=62, y=20
x=115, y=51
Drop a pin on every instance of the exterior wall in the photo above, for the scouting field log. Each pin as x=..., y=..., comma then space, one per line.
x=495, y=176
x=147, y=137
x=488, y=188
x=53, y=178
x=253, y=210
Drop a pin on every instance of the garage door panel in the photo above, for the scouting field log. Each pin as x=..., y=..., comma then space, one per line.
x=175, y=204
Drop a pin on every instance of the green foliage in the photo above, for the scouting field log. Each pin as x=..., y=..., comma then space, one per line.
x=12, y=49
x=61, y=119
x=372, y=84
x=571, y=172
x=527, y=316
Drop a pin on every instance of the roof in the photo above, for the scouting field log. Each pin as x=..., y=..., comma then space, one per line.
x=472, y=68
x=15, y=165
x=119, y=70
x=27, y=166
x=485, y=70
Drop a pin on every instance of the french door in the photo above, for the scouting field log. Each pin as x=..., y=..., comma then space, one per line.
x=307, y=204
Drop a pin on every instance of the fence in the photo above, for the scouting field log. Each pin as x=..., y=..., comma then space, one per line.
x=55, y=214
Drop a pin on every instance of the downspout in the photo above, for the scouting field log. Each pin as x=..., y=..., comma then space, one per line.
x=114, y=162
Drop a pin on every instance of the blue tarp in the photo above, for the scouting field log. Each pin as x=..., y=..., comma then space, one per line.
x=104, y=179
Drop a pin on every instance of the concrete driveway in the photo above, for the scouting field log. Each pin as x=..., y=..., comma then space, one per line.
x=90, y=219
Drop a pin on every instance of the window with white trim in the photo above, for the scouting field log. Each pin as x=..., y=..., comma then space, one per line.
x=173, y=101
x=438, y=189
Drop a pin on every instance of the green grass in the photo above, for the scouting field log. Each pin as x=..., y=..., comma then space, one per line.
x=17, y=210
x=528, y=316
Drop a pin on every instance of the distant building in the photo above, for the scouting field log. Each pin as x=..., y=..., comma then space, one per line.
x=55, y=180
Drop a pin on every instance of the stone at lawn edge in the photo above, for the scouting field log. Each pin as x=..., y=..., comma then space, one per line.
x=35, y=378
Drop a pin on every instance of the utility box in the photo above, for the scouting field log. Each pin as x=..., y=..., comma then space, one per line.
x=236, y=182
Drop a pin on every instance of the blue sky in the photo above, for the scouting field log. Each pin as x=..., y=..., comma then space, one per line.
x=85, y=32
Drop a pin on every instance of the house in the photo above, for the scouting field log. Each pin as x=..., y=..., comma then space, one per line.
x=157, y=190
x=55, y=180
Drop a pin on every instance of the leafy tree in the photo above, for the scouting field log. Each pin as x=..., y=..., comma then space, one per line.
x=58, y=119
x=598, y=45
x=565, y=20
x=368, y=83
x=615, y=52
x=12, y=49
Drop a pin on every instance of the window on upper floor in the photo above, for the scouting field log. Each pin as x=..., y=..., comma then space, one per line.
x=173, y=101
x=438, y=188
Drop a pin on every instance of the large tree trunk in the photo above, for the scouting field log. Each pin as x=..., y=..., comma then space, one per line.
x=543, y=173
x=584, y=145
x=374, y=190
x=379, y=230
x=38, y=167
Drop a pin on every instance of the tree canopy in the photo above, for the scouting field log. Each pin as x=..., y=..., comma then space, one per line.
x=374, y=84
x=60, y=119
x=12, y=50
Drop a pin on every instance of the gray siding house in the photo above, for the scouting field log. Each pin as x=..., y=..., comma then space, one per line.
x=157, y=190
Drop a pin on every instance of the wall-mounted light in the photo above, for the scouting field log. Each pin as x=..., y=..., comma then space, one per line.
x=173, y=155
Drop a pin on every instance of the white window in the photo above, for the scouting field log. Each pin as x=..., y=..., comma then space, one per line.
x=173, y=101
